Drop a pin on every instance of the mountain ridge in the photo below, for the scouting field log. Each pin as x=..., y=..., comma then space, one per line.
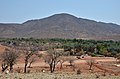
x=61, y=26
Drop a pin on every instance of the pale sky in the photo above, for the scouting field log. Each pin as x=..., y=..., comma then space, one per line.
x=18, y=11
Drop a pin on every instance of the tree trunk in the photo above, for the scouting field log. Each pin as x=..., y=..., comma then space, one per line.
x=11, y=67
x=51, y=70
x=29, y=64
x=90, y=67
x=53, y=66
x=61, y=66
x=4, y=67
x=25, y=68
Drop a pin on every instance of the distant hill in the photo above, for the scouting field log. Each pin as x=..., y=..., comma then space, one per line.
x=61, y=26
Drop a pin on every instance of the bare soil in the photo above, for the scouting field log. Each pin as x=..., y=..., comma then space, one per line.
x=103, y=65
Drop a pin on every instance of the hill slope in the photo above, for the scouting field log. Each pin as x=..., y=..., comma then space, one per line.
x=62, y=26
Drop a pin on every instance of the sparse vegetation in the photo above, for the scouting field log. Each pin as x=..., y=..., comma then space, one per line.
x=58, y=76
x=59, y=53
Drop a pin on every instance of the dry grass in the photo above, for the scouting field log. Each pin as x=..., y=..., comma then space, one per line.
x=56, y=76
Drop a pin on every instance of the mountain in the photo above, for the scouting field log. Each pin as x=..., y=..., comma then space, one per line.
x=61, y=26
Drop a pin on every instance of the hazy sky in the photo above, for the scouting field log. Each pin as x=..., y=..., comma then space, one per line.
x=19, y=11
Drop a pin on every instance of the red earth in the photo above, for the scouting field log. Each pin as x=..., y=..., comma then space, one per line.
x=101, y=65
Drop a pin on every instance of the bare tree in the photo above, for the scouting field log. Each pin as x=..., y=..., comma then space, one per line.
x=61, y=61
x=52, y=58
x=9, y=58
x=71, y=62
x=31, y=60
x=28, y=53
x=90, y=63
x=27, y=50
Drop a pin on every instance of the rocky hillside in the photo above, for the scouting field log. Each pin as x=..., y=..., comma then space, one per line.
x=62, y=26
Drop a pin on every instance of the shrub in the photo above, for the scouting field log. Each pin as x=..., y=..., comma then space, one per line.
x=93, y=54
x=78, y=71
